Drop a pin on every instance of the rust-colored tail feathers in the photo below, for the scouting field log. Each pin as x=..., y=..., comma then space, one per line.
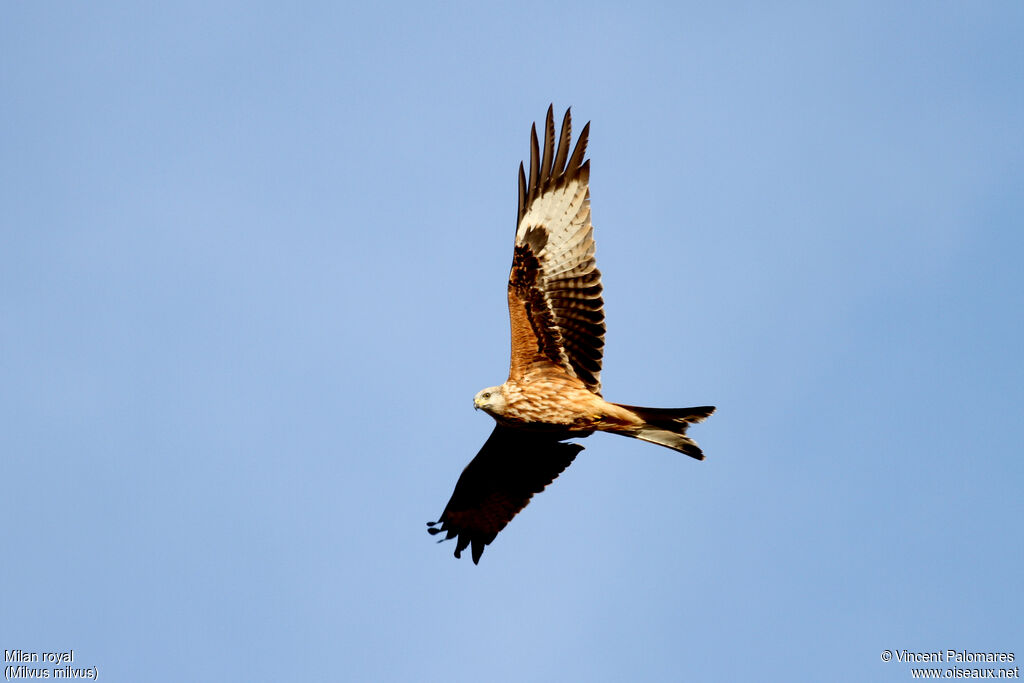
x=667, y=427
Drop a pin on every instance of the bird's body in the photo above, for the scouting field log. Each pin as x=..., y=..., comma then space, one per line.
x=553, y=391
x=548, y=399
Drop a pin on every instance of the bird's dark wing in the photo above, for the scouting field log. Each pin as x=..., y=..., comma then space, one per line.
x=554, y=287
x=512, y=466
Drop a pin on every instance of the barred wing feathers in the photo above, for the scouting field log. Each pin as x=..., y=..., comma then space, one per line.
x=554, y=290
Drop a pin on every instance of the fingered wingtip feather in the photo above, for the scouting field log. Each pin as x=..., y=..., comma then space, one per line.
x=534, y=163
x=549, y=149
x=576, y=161
x=522, y=193
x=563, y=144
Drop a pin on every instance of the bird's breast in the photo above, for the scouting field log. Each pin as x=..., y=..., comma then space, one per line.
x=551, y=400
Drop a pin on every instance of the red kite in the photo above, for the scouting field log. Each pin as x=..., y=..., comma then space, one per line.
x=553, y=390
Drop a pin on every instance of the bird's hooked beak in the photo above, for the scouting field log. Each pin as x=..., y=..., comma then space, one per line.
x=476, y=403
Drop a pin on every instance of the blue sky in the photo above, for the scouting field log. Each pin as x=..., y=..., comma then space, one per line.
x=252, y=271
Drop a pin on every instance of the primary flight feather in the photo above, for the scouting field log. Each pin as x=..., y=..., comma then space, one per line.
x=553, y=390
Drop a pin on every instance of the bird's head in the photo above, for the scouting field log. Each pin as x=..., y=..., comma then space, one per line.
x=490, y=400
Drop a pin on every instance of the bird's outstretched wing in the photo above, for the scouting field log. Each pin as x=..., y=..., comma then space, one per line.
x=511, y=467
x=554, y=287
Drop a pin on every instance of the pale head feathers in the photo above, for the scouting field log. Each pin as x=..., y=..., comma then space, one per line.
x=491, y=400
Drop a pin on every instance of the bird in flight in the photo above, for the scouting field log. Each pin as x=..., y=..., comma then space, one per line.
x=553, y=390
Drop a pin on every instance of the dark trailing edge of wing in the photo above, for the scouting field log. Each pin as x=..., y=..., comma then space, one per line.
x=510, y=468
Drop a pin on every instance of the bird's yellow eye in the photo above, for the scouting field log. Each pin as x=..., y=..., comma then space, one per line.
x=487, y=394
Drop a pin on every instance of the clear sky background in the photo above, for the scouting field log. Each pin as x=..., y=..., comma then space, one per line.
x=252, y=271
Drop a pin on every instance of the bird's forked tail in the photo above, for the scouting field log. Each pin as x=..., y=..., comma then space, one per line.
x=667, y=427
